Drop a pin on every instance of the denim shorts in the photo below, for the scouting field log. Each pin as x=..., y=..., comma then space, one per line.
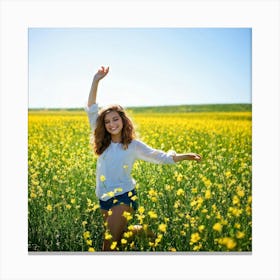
x=124, y=198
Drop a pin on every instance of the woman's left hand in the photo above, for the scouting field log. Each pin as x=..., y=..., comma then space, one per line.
x=193, y=156
x=188, y=156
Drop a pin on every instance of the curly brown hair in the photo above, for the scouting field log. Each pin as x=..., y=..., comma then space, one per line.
x=102, y=138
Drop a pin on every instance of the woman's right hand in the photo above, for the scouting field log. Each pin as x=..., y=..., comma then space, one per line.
x=101, y=73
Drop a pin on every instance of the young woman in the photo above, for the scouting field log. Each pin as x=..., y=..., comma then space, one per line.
x=117, y=149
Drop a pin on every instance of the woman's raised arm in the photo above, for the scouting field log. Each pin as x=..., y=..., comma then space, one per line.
x=101, y=73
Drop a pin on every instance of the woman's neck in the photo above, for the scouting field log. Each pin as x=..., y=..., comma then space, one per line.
x=116, y=138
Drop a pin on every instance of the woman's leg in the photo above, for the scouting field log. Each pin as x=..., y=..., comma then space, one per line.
x=116, y=224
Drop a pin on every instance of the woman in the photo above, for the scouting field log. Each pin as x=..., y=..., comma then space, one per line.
x=117, y=149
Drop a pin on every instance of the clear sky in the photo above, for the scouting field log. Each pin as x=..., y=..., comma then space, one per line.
x=148, y=66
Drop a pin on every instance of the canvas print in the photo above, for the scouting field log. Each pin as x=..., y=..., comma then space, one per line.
x=140, y=140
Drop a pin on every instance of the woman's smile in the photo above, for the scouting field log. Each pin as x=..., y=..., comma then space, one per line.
x=114, y=129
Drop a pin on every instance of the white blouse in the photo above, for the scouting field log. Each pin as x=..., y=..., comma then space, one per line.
x=114, y=165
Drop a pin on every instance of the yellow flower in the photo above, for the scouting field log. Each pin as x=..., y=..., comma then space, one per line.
x=195, y=237
x=186, y=226
x=224, y=222
x=89, y=242
x=180, y=192
x=141, y=209
x=249, y=199
x=240, y=234
x=168, y=187
x=193, y=203
x=108, y=236
x=153, y=199
x=152, y=192
x=133, y=198
x=199, y=201
x=235, y=200
x=132, y=245
x=248, y=210
x=207, y=194
x=113, y=245
x=102, y=178
x=228, y=174
x=128, y=234
x=235, y=211
x=207, y=183
x=140, y=218
x=152, y=215
x=123, y=241
x=197, y=247
x=110, y=212
x=118, y=190
x=95, y=206
x=162, y=227
x=194, y=190
x=130, y=227
x=176, y=204
x=49, y=208
x=86, y=234
x=240, y=192
x=127, y=215
x=33, y=195
x=201, y=228
x=73, y=200
x=179, y=177
x=158, y=239
x=228, y=242
x=91, y=249
x=217, y=227
x=84, y=223
x=108, y=194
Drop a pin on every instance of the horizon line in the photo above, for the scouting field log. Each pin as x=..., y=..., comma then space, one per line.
x=140, y=106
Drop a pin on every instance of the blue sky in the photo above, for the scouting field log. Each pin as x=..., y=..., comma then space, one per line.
x=148, y=66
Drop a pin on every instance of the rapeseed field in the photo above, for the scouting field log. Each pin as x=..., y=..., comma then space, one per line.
x=189, y=206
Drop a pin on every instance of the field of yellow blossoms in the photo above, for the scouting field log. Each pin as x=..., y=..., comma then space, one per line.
x=189, y=206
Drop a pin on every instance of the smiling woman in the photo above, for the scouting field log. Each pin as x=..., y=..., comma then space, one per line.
x=116, y=147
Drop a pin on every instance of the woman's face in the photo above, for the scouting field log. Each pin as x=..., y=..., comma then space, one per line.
x=113, y=123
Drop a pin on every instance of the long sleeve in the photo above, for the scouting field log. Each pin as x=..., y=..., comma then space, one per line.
x=92, y=113
x=145, y=152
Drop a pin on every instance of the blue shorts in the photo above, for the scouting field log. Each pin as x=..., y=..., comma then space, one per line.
x=118, y=200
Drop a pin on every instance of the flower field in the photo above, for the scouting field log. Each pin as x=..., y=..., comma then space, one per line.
x=189, y=206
